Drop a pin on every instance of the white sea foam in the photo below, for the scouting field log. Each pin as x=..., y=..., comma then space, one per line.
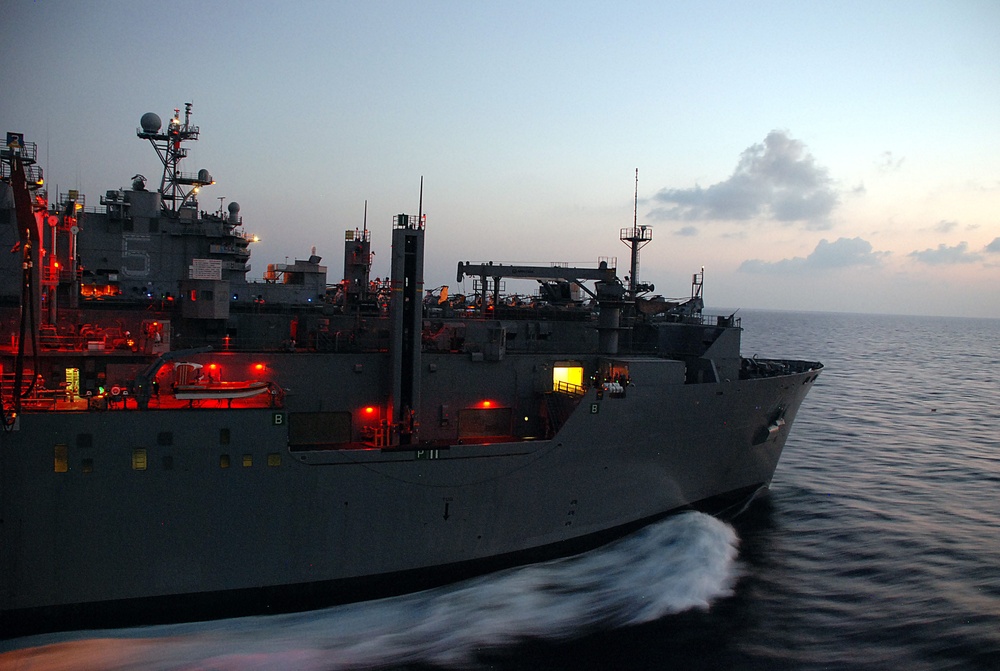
x=683, y=562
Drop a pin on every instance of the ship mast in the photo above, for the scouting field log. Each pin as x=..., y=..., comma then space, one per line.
x=357, y=264
x=636, y=238
x=406, y=319
x=177, y=189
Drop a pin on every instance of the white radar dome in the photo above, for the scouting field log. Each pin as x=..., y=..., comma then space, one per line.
x=204, y=176
x=234, y=207
x=150, y=122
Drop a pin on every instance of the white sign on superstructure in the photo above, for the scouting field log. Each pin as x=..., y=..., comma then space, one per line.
x=206, y=269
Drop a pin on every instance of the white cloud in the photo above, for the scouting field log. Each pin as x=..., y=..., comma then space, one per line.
x=993, y=247
x=842, y=253
x=889, y=163
x=777, y=179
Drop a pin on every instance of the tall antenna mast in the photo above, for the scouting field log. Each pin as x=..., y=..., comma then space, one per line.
x=635, y=202
x=636, y=238
x=420, y=206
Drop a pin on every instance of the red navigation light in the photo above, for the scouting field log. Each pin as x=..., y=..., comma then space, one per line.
x=370, y=410
x=259, y=367
x=486, y=404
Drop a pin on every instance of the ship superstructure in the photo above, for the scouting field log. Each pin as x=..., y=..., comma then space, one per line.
x=180, y=442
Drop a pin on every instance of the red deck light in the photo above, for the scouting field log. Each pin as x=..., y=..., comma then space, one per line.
x=370, y=410
x=486, y=404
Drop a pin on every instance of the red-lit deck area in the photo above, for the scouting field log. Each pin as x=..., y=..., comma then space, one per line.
x=58, y=401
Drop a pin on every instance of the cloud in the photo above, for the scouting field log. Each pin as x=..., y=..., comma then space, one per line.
x=777, y=179
x=842, y=253
x=945, y=226
x=889, y=163
x=993, y=247
x=945, y=255
x=687, y=231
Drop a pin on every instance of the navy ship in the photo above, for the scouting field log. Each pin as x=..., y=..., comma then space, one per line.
x=182, y=443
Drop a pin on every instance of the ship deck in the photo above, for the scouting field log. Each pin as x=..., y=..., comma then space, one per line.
x=58, y=401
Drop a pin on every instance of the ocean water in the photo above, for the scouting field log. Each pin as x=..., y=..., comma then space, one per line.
x=878, y=547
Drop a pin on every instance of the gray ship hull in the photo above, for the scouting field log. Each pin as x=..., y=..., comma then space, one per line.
x=206, y=529
x=180, y=442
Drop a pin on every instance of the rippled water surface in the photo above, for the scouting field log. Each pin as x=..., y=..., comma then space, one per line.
x=878, y=547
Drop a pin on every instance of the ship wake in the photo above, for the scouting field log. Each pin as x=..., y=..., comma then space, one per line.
x=683, y=562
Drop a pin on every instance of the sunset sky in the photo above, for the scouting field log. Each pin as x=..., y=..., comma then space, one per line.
x=836, y=156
